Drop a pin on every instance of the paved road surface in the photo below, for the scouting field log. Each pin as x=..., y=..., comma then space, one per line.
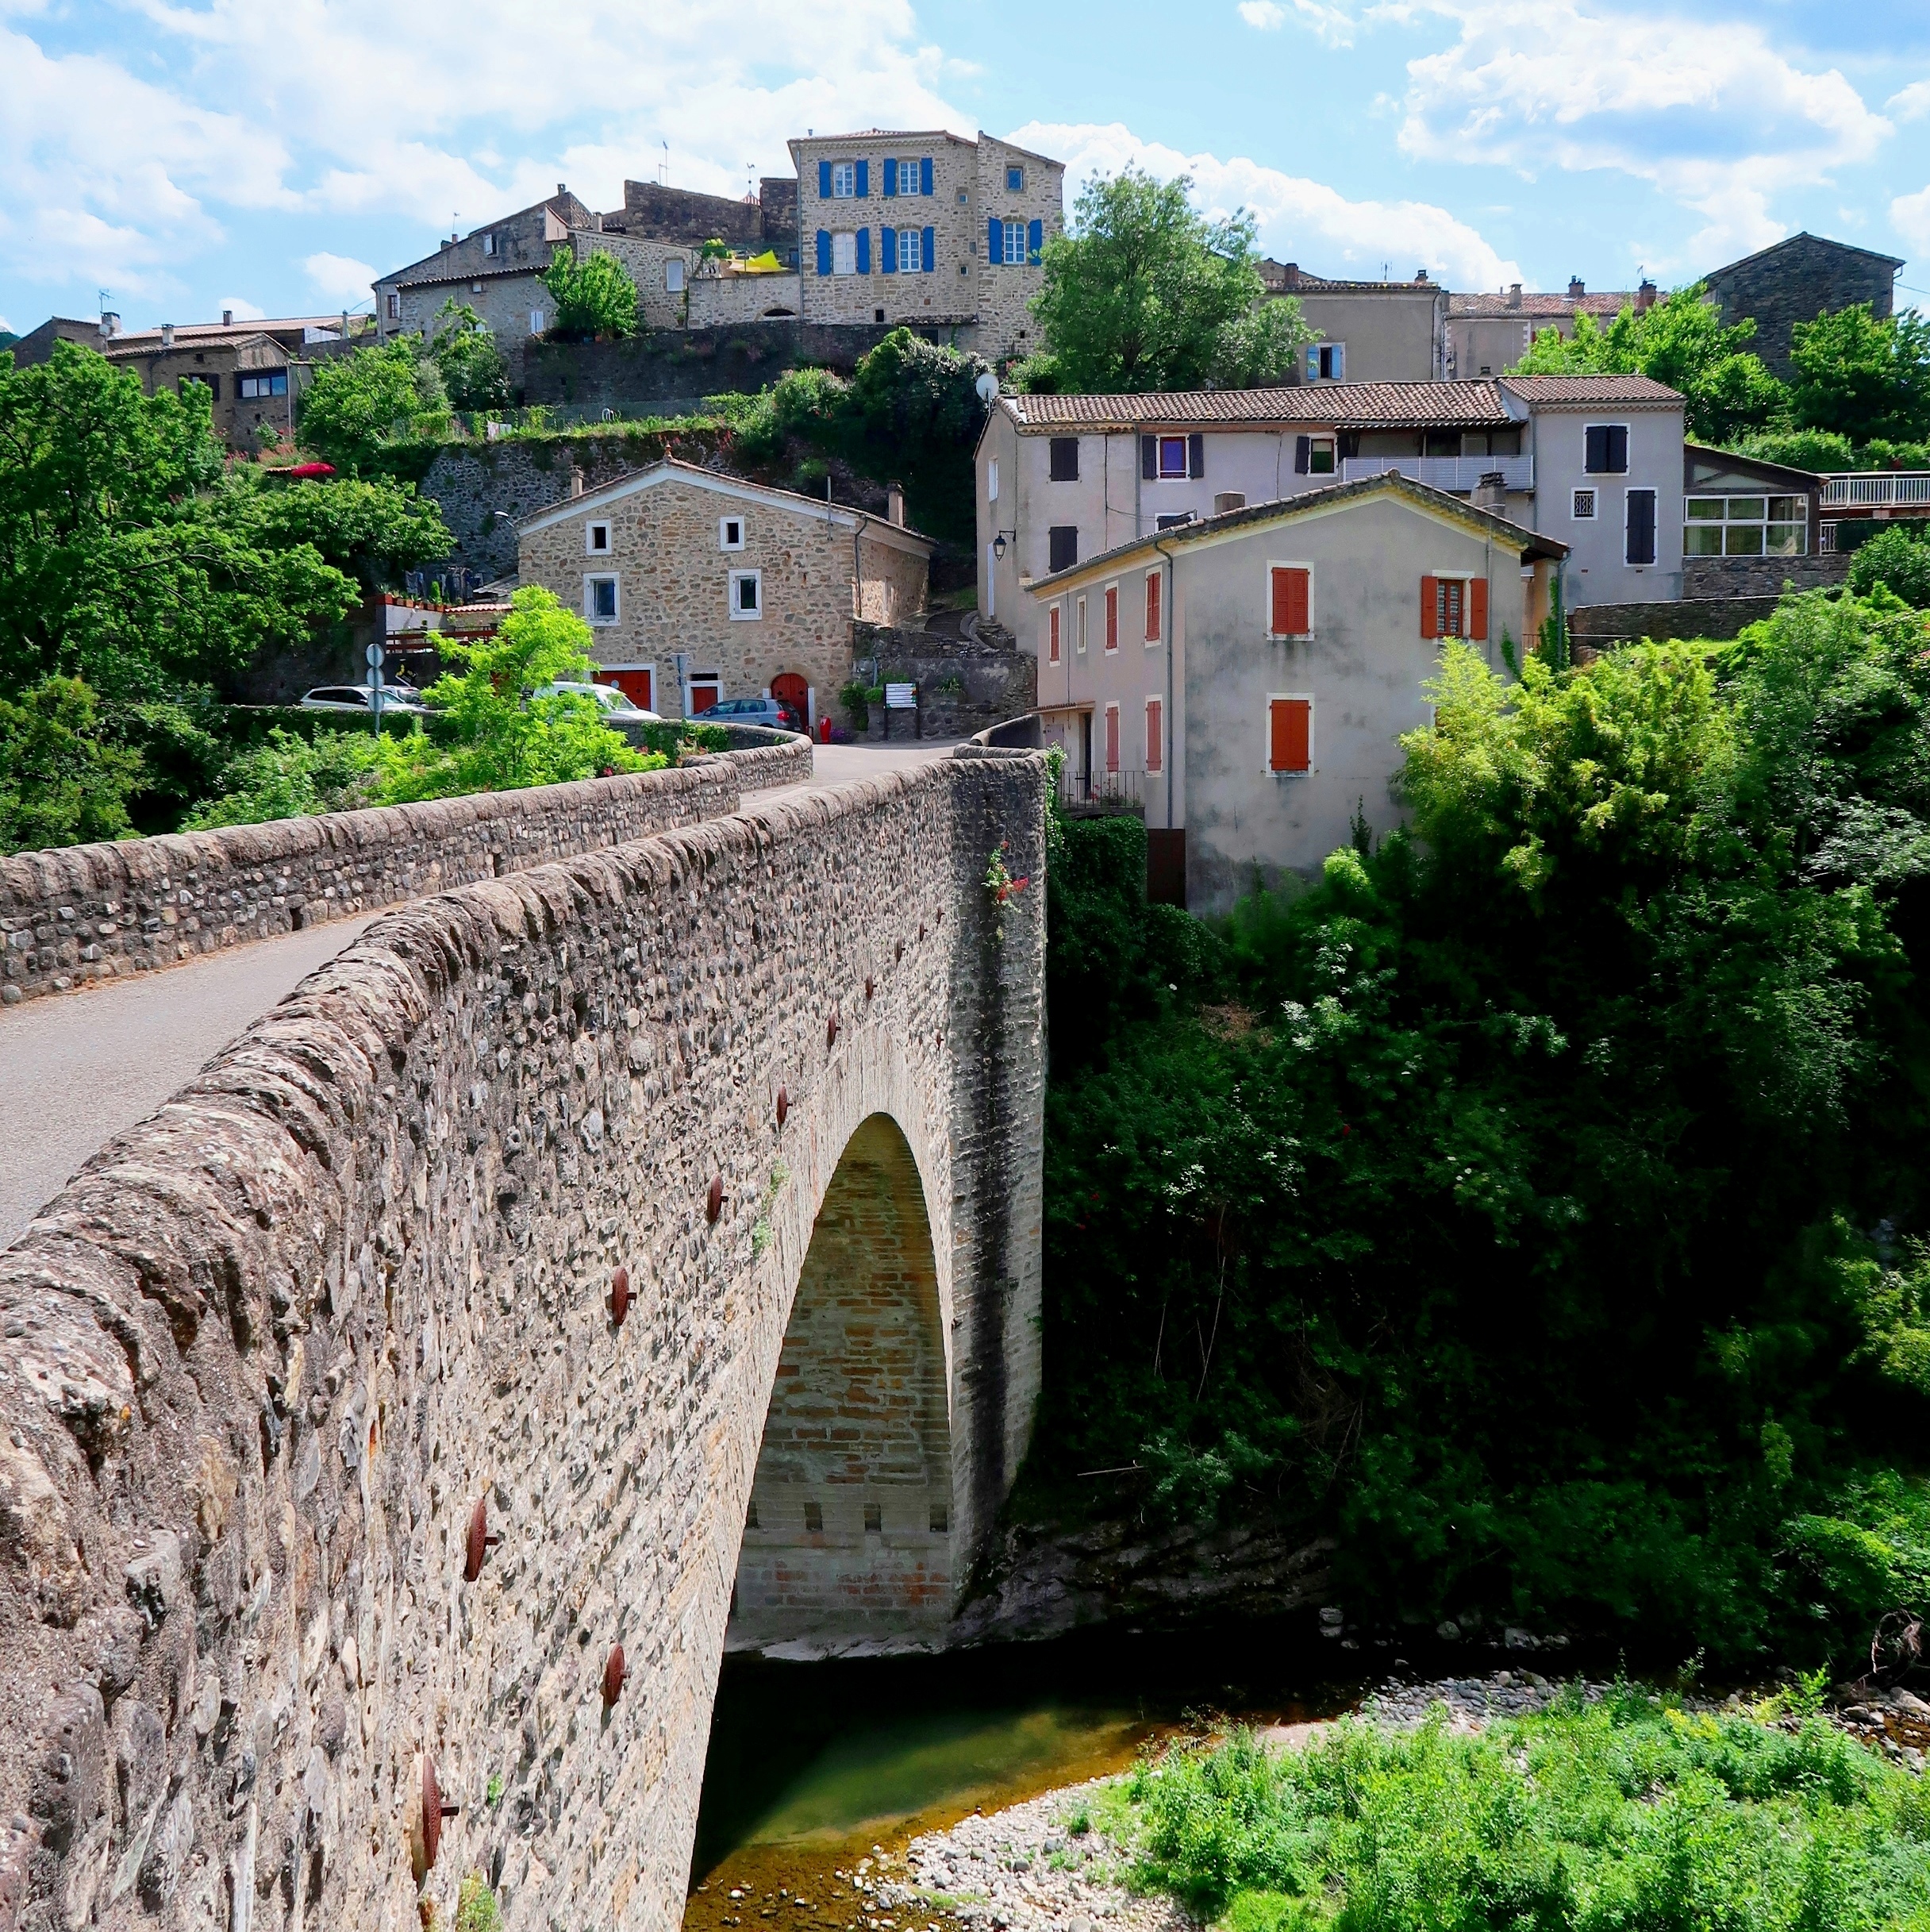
x=77, y=1068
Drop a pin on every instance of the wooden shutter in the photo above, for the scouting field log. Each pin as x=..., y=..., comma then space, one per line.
x=1303, y=455
x=1149, y=459
x=1196, y=456
x=1035, y=239
x=1430, y=607
x=824, y=181
x=1152, y=607
x=1152, y=734
x=824, y=247
x=891, y=177
x=864, y=180
x=1641, y=517
x=931, y=240
x=1288, y=617
x=994, y=241
x=888, y=251
x=924, y=180
x=1112, y=617
x=1052, y=635
x=1618, y=449
x=1112, y=737
x=864, y=251
x=1478, y=610
x=1290, y=731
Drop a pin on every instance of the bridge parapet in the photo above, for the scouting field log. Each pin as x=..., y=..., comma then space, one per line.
x=268, y=1353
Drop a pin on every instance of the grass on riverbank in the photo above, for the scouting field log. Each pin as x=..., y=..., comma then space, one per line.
x=1620, y=1815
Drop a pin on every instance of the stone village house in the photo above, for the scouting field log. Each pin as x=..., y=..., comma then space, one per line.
x=699, y=587
x=1245, y=677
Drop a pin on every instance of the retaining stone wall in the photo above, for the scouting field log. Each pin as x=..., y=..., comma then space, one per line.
x=996, y=680
x=266, y=1352
x=1708, y=617
x=1760, y=576
x=87, y=913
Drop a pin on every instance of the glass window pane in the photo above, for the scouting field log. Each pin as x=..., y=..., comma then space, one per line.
x=1785, y=539
x=1746, y=509
x=1699, y=507
x=1702, y=540
x=1745, y=540
x=1789, y=510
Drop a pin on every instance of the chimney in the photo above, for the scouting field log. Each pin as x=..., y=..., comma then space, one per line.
x=110, y=324
x=1420, y=275
x=167, y=335
x=576, y=483
x=1645, y=296
x=228, y=318
x=1514, y=294
x=1576, y=290
x=894, y=504
x=561, y=191
x=1491, y=493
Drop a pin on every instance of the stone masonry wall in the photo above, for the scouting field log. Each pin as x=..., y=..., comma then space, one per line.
x=1796, y=282
x=86, y=913
x=1760, y=576
x=892, y=583
x=267, y=1353
x=1005, y=326
x=726, y=300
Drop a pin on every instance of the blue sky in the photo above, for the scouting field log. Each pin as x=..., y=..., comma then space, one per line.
x=190, y=156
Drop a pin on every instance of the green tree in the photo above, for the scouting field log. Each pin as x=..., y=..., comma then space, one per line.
x=358, y=402
x=1817, y=450
x=61, y=784
x=1146, y=294
x=596, y=300
x=125, y=559
x=912, y=415
x=464, y=351
x=1897, y=558
x=373, y=530
x=1862, y=376
x=1680, y=340
x=292, y=777
x=491, y=735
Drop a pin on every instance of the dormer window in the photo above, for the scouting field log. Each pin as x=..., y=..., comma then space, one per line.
x=488, y=244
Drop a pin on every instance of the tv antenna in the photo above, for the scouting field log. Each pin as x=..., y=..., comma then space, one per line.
x=663, y=167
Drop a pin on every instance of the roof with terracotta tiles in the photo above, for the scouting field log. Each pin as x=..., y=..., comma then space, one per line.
x=1472, y=405
x=1627, y=391
x=1543, y=308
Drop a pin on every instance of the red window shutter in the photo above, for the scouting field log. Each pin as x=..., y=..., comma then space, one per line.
x=1111, y=619
x=1152, y=607
x=1289, y=730
x=1289, y=602
x=1430, y=607
x=1478, y=609
x=1052, y=635
x=1112, y=737
x=1153, y=708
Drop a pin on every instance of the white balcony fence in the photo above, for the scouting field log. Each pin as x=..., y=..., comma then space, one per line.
x=1877, y=489
x=1460, y=474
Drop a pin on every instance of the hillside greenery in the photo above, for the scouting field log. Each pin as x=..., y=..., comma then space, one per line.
x=1534, y=1204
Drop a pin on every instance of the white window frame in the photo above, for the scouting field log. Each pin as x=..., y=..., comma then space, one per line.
x=1161, y=438
x=673, y=275
x=1289, y=697
x=539, y=320
x=488, y=244
x=615, y=581
x=991, y=480
x=692, y=679
x=916, y=237
x=1155, y=744
x=1628, y=446
x=1576, y=512
x=909, y=177
x=1011, y=253
x=1266, y=628
x=844, y=250
x=844, y=181
x=1725, y=522
x=1079, y=640
x=755, y=579
x=1655, y=525
x=591, y=547
x=725, y=524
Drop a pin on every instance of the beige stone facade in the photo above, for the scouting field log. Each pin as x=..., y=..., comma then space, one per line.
x=661, y=270
x=735, y=297
x=748, y=584
x=939, y=182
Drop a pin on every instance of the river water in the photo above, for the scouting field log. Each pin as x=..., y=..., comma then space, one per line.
x=815, y=1767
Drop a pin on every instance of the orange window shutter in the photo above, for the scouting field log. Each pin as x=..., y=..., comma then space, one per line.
x=1290, y=722
x=1430, y=607
x=1478, y=609
x=1296, y=603
x=1052, y=634
x=1279, y=613
x=1112, y=737
x=1152, y=607
x=1112, y=620
x=1152, y=735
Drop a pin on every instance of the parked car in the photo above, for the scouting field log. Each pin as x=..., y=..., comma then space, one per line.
x=773, y=712
x=618, y=707
x=403, y=698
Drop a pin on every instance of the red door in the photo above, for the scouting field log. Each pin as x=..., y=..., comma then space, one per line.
x=638, y=685
x=788, y=688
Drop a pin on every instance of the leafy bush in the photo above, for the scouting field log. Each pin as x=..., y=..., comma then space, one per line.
x=1817, y=450
x=356, y=403
x=61, y=784
x=595, y=299
x=1897, y=557
x=465, y=351
x=1606, y=1818
x=291, y=777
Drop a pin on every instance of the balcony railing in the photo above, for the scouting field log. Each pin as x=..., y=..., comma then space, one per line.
x=1877, y=489
x=1459, y=474
x=1102, y=792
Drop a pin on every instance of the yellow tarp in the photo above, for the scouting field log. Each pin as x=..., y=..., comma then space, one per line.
x=765, y=264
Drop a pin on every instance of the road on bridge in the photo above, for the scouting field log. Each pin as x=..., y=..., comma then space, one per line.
x=78, y=1068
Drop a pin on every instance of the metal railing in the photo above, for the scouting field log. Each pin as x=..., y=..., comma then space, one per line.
x=1876, y=489
x=1460, y=474
x=1102, y=792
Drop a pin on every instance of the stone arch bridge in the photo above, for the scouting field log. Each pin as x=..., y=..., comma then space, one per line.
x=389, y=1407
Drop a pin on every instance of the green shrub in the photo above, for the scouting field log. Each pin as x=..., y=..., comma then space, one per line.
x=1897, y=557
x=61, y=783
x=291, y=777
x=595, y=299
x=1801, y=449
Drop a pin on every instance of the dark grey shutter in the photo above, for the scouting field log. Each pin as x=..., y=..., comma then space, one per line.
x=1065, y=459
x=1641, y=548
x=1618, y=449
x=1149, y=458
x=1063, y=541
x=1196, y=456
x=1303, y=455
x=1595, y=449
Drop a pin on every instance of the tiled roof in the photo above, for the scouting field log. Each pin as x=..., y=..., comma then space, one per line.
x=1474, y=405
x=1390, y=483
x=1632, y=391
x=189, y=334
x=1608, y=301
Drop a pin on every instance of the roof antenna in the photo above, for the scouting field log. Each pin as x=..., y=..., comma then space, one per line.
x=663, y=167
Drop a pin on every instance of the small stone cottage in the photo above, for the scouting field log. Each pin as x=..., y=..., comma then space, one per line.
x=700, y=586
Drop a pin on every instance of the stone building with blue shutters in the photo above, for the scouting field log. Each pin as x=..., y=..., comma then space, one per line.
x=927, y=228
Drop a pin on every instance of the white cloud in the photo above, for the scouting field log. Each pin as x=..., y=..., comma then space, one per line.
x=341, y=278
x=1912, y=103
x=1299, y=220
x=240, y=308
x=1708, y=111
x=1334, y=25
x=1911, y=215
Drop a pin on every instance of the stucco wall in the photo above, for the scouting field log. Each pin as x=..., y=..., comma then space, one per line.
x=86, y=913
x=267, y=1352
x=1597, y=573
x=1395, y=336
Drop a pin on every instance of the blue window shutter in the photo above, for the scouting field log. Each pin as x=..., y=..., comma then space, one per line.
x=994, y=241
x=824, y=181
x=888, y=250
x=824, y=251
x=864, y=179
x=1035, y=239
x=1313, y=365
x=924, y=180
x=891, y=176
x=930, y=250
x=864, y=251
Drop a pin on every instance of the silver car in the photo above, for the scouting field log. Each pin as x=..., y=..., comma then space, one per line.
x=400, y=697
x=769, y=711
x=617, y=707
